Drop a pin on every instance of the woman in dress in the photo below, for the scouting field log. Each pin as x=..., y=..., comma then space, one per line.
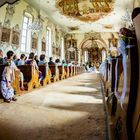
x=32, y=62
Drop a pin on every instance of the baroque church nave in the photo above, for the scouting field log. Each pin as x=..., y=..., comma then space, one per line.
x=69, y=70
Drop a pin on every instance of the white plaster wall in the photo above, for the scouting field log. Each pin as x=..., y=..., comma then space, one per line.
x=18, y=19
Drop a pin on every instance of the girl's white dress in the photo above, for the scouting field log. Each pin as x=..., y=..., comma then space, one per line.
x=7, y=92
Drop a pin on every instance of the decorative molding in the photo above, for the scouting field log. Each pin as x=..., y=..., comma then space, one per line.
x=2, y=2
x=73, y=28
x=10, y=10
x=29, y=9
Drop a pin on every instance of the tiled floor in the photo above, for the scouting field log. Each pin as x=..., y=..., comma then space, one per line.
x=71, y=109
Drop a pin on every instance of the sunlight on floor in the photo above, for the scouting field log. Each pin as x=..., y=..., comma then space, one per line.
x=56, y=98
x=66, y=110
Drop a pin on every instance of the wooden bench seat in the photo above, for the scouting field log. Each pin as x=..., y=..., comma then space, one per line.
x=70, y=71
x=66, y=72
x=61, y=72
x=54, y=73
x=31, y=76
x=73, y=69
x=46, y=74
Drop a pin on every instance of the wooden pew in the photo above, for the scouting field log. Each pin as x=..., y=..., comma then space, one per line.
x=46, y=74
x=70, y=71
x=54, y=73
x=61, y=72
x=121, y=118
x=15, y=83
x=67, y=73
x=31, y=76
x=136, y=95
x=79, y=69
x=74, y=69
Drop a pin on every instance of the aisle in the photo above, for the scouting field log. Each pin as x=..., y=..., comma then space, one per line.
x=71, y=109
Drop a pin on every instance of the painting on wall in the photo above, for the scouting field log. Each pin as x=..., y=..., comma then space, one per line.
x=43, y=46
x=15, y=38
x=53, y=50
x=72, y=55
x=58, y=51
x=5, y=35
x=34, y=43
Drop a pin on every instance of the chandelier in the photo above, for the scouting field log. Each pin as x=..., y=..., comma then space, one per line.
x=127, y=17
x=36, y=25
x=71, y=48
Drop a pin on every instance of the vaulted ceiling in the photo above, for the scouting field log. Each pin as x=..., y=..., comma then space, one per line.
x=81, y=16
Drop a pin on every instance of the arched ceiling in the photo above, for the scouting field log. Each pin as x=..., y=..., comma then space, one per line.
x=90, y=15
x=92, y=43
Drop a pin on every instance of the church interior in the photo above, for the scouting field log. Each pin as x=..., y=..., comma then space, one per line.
x=69, y=70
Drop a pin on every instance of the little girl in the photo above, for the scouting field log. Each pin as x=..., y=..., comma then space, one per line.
x=6, y=88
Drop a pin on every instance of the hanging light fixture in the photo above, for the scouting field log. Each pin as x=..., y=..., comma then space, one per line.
x=36, y=25
x=127, y=17
x=71, y=48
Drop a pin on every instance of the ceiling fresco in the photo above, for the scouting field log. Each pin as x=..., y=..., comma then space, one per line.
x=85, y=10
x=83, y=16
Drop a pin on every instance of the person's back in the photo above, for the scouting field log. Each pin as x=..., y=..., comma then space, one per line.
x=51, y=62
x=41, y=63
x=22, y=60
x=42, y=60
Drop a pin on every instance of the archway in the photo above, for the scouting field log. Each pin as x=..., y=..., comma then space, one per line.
x=93, y=51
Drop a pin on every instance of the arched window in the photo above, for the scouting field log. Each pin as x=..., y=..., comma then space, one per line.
x=62, y=49
x=48, y=43
x=86, y=56
x=25, y=44
x=103, y=55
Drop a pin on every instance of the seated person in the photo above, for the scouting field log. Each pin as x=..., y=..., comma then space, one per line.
x=92, y=68
x=50, y=61
x=22, y=60
x=15, y=60
x=57, y=62
x=32, y=62
x=43, y=61
x=64, y=63
x=36, y=59
x=7, y=77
